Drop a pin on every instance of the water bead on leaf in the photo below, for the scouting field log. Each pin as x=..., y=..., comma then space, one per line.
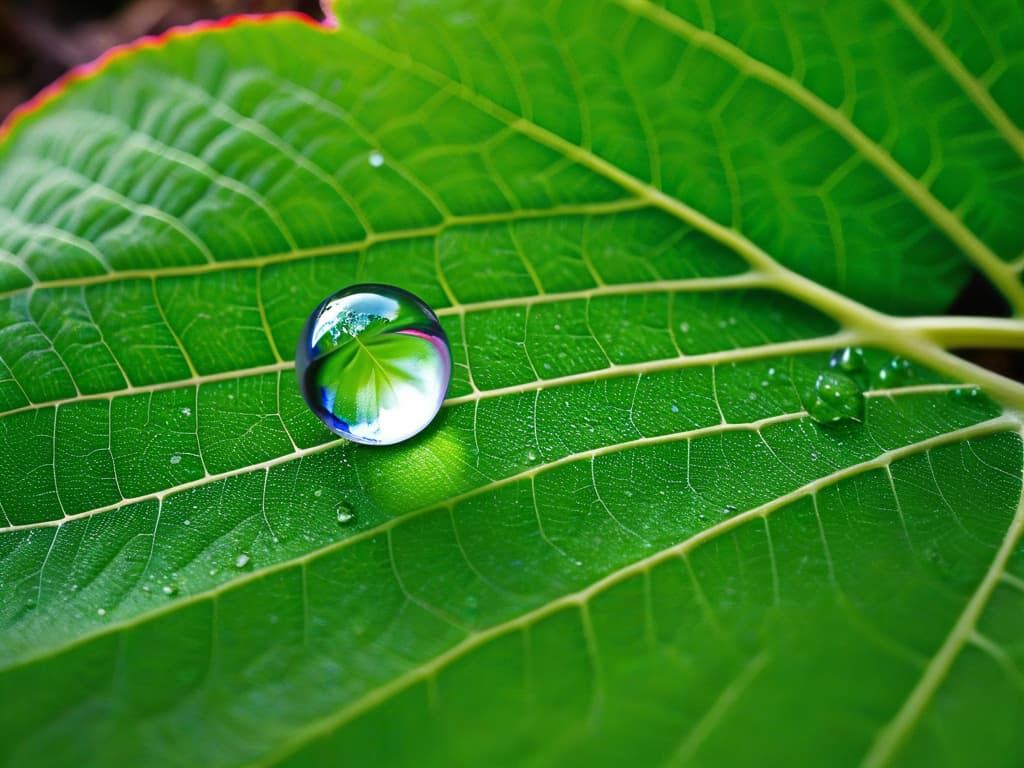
x=835, y=398
x=894, y=373
x=373, y=364
x=848, y=359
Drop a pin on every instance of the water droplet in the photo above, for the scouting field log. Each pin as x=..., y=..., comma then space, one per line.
x=531, y=456
x=895, y=372
x=684, y=327
x=175, y=459
x=214, y=571
x=373, y=364
x=74, y=587
x=186, y=522
x=728, y=509
x=376, y=159
x=169, y=589
x=318, y=492
x=771, y=371
x=345, y=513
x=101, y=611
x=848, y=359
x=975, y=398
x=186, y=411
x=241, y=561
x=675, y=408
x=835, y=398
x=145, y=588
x=751, y=396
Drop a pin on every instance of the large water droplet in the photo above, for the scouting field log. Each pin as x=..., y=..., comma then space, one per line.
x=373, y=364
x=895, y=372
x=835, y=398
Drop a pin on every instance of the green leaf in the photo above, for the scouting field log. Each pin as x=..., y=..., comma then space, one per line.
x=645, y=229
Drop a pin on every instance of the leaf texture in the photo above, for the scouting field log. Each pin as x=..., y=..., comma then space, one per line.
x=645, y=229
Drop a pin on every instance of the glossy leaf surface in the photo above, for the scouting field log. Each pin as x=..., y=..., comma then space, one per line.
x=645, y=231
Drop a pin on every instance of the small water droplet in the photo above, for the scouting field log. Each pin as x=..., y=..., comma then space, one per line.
x=894, y=373
x=728, y=509
x=214, y=571
x=186, y=522
x=101, y=611
x=835, y=398
x=169, y=589
x=376, y=159
x=345, y=513
x=146, y=588
x=771, y=371
x=531, y=456
x=318, y=492
x=752, y=396
x=675, y=408
x=814, y=456
x=241, y=561
x=684, y=327
x=175, y=459
x=186, y=411
x=74, y=587
x=348, y=338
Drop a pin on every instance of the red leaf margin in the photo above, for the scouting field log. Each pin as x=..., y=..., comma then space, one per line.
x=93, y=68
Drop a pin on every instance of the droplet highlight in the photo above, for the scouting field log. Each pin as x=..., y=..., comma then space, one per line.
x=894, y=373
x=848, y=360
x=345, y=513
x=835, y=398
x=373, y=364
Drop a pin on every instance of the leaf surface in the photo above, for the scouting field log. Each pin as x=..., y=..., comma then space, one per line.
x=645, y=230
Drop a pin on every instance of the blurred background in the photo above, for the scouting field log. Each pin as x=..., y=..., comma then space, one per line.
x=41, y=39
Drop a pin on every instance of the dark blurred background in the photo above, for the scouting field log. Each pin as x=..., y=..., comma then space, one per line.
x=42, y=39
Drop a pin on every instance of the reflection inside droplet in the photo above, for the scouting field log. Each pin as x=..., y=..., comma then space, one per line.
x=373, y=364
